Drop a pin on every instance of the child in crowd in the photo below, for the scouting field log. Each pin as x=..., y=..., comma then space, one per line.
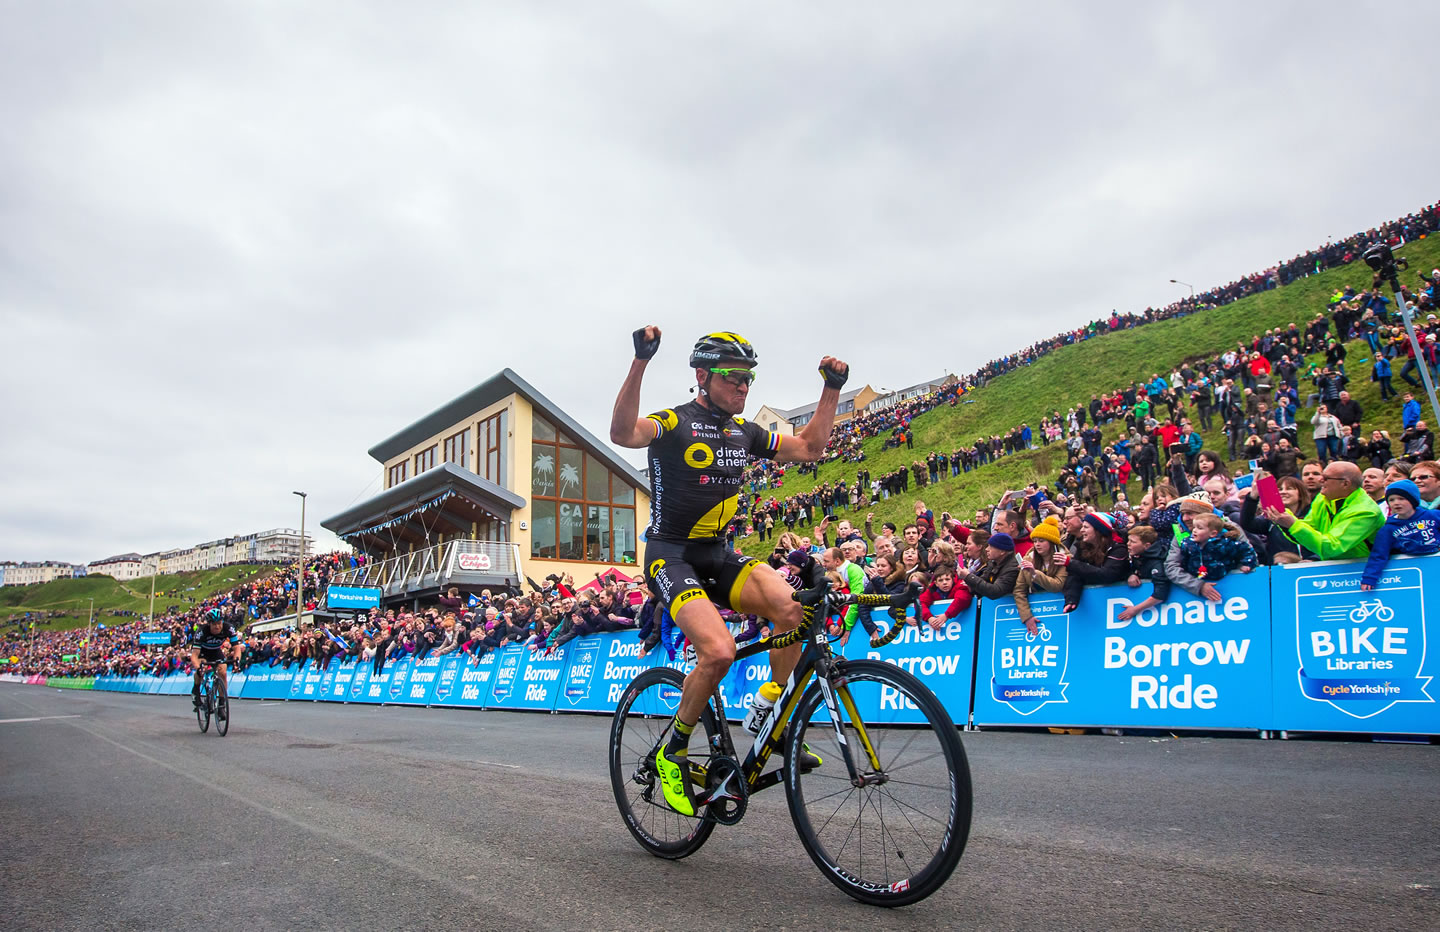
x=1410, y=529
x=943, y=585
x=1211, y=551
x=1147, y=551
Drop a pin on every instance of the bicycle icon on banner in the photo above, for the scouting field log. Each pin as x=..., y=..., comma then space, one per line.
x=1042, y=632
x=1371, y=609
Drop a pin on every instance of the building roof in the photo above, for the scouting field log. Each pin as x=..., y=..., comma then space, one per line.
x=501, y=385
x=120, y=558
x=413, y=492
x=792, y=413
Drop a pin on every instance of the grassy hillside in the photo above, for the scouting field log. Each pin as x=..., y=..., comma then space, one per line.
x=1069, y=376
x=72, y=596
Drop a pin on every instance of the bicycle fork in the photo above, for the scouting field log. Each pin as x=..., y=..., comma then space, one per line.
x=835, y=690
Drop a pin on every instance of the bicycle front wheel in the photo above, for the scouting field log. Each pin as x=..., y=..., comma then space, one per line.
x=222, y=709
x=202, y=709
x=642, y=722
x=895, y=838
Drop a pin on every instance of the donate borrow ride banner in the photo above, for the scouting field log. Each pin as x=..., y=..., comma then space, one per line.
x=1351, y=660
x=942, y=658
x=1188, y=663
x=526, y=679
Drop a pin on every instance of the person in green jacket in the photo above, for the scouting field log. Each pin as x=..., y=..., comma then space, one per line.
x=836, y=559
x=1343, y=520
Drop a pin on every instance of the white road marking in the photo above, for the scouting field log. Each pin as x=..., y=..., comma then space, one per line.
x=38, y=718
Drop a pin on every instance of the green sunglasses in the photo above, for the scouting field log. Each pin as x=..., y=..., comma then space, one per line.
x=736, y=376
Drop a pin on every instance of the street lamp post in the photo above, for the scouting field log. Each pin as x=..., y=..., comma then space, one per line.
x=1176, y=281
x=300, y=573
x=90, y=635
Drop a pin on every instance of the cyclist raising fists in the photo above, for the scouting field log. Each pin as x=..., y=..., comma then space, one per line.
x=696, y=453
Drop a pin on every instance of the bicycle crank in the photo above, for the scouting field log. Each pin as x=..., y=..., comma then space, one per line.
x=726, y=794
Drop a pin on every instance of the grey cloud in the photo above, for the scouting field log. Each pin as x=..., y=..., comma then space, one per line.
x=418, y=196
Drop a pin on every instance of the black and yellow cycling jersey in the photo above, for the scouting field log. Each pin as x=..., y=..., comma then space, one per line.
x=696, y=460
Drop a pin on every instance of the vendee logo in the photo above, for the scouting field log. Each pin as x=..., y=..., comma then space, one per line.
x=474, y=561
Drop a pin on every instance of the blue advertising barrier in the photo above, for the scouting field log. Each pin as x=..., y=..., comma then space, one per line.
x=526, y=679
x=943, y=659
x=1188, y=663
x=601, y=666
x=465, y=683
x=1350, y=660
x=1299, y=648
x=160, y=638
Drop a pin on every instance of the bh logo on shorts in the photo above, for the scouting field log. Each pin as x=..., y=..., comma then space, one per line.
x=1029, y=668
x=1362, y=652
x=582, y=673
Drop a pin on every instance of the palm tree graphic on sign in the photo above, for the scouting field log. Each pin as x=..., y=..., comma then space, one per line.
x=569, y=475
x=545, y=468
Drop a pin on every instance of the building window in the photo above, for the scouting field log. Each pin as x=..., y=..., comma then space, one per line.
x=398, y=474
x=424, y=460
x=489, y=441
x=457, y=449
x=580, y=510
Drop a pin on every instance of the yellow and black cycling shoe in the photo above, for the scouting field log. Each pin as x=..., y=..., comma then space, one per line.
x=675, y=782
x=809, y=760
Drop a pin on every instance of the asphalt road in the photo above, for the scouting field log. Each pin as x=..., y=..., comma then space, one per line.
x=118, y=813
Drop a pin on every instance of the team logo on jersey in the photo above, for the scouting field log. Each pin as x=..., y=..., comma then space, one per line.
x=699, y=455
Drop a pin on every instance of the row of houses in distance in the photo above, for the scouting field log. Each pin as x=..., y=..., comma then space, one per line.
x=857, y=402
x=277, y=545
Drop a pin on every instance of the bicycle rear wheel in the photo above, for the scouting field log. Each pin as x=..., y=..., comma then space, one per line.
x=897, y=839
x=202, y=709
x=642, y=722
x=222, y=709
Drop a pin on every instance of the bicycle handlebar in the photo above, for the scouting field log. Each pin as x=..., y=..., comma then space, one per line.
x=814, y=599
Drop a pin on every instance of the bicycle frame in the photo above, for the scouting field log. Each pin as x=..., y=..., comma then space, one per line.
x=816, y=660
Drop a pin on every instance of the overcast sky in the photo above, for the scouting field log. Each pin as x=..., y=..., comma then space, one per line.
x=242, y=242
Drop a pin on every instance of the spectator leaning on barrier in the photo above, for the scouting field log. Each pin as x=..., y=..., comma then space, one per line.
x=1341, y=522
x=1216, y=548
x=1147, y=564
x=1410, y=529
x=1100, y=560
x=995, y=579
x=944, y=584
x=1043, y=569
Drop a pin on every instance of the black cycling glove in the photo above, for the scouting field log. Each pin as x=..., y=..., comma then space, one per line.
x=833, y=379
x=644, y=348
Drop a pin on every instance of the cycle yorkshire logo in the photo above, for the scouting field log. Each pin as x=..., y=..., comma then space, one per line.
x=1029, y=668
x=1362, y=652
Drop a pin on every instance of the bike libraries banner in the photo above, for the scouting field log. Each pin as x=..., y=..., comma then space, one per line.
x=1351, y=660
x=1189, y=663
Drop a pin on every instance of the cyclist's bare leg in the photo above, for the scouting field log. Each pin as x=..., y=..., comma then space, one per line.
x=767, y=594
x=714, y=653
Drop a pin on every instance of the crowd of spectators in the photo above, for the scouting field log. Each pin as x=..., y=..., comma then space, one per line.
x=115, y=649
x=1254, y=391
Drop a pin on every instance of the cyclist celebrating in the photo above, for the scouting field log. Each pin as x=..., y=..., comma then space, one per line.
x=209, y=644
x=696, y=453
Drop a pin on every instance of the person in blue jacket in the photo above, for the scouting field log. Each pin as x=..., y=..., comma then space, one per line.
x=1409, y=529
x=1409, y=411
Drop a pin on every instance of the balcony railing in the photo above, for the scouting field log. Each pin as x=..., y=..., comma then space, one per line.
x=462, y=562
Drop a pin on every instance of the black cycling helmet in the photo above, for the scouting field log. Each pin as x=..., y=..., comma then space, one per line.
x=722, y=349
x=213, y=616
